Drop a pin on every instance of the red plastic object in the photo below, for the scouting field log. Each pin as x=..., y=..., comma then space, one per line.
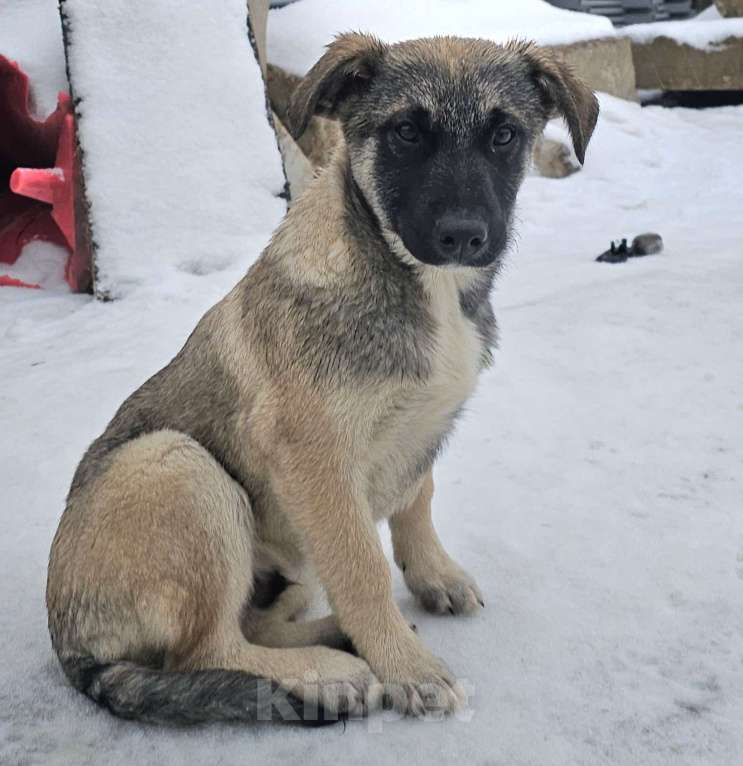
x=37, y=169
x=6, y=281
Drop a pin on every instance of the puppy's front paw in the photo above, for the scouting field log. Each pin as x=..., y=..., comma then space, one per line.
x=422, y=686
x=446, y=590
x=340, y=683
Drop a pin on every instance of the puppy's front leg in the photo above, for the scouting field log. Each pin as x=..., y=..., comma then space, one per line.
x=440, y=584
x=322, y=499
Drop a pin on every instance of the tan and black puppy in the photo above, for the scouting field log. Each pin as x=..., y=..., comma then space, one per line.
x=307, y=406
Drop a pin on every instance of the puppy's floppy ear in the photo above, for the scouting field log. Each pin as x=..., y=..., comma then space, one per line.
x=345, y=68
x=563, y=93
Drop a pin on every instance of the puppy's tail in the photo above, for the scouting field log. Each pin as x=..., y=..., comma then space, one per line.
x=182, y=698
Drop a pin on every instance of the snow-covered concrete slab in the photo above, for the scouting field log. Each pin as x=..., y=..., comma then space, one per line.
x=704, y=53
x=298, y=32
x=182, y=170
x=707, y=31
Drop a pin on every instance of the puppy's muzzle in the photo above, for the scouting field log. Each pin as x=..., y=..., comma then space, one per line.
x=460, y=240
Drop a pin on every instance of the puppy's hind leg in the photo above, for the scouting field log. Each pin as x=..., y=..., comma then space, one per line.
x=148, y=574
x=327, y=681
x=277, y=624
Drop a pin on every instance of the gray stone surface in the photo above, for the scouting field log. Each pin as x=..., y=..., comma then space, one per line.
x=554, y=159
x=730, y=7
x=605, y=65
x=664, y=64
x=258, y=10
x=297, y=167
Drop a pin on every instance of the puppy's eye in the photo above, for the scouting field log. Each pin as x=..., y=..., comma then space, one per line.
x=503, y=135
x=408, y=132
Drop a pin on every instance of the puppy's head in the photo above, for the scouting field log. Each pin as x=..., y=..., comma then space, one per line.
x=440, y=133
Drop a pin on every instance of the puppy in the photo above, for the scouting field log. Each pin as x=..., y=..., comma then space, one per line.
x=310, y=404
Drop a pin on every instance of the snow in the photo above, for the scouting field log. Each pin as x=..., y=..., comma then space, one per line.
x=706, y=31
x=40, y=263
x=182, y=166
x=41, y=55
x=594, y=488
x=392, y=20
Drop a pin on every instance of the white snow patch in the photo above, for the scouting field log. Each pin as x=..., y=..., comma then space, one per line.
x=40, y=263
x=298, y=33
x=706, y=31
x=182, y=166
x=31, y=35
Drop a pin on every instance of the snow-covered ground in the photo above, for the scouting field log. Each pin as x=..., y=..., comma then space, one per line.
x=595, y=487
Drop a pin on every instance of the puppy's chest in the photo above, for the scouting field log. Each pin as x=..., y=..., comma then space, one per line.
x=417, y=419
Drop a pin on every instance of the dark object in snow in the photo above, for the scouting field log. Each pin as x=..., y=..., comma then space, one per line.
x=647, y=244
x=692, y=99
x=622, y=12
x=643, y=244
x=615, y=253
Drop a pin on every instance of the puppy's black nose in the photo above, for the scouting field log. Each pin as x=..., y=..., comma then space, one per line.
x=460, y=240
